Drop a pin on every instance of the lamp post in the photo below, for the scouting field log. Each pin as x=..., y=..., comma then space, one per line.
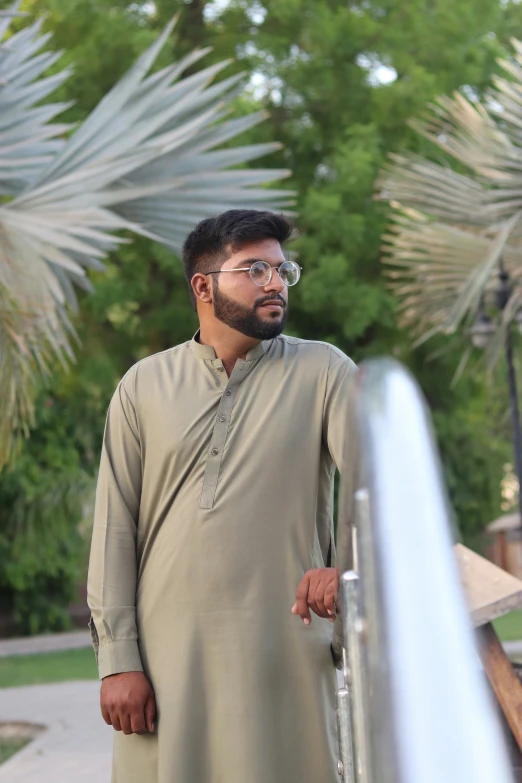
x=481, y=333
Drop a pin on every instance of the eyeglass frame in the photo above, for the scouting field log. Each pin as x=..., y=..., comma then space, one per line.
x=257, y=261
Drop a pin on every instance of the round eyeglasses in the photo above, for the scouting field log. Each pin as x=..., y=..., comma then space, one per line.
x=261, y=272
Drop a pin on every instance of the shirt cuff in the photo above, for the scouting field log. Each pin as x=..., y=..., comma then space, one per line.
x=120, y=656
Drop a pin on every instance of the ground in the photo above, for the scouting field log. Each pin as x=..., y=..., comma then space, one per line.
x=76, y=745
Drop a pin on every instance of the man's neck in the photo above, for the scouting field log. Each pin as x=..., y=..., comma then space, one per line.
x=228, y=343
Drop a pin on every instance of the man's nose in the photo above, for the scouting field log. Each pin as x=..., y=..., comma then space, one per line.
x=275, y=284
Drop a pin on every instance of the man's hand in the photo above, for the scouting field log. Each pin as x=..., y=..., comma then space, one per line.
x=317, y=591
x=127, y=702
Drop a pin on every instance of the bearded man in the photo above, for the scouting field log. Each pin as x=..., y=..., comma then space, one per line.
x=214, y=503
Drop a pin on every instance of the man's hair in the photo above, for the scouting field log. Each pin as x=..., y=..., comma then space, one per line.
x=215, y=239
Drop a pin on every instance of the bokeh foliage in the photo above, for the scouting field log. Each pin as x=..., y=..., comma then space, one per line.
x=316, y=66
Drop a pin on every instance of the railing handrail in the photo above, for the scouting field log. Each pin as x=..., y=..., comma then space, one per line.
x=428, y=716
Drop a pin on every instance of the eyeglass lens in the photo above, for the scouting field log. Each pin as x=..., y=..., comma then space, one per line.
x=261, y=272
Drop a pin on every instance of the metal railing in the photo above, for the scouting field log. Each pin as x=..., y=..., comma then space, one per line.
x=415, y=707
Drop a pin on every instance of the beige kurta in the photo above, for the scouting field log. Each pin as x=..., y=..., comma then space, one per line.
x=214, y=497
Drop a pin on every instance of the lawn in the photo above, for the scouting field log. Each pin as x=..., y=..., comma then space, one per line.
x=8, y=747
x=509, y=627
x=47, y=667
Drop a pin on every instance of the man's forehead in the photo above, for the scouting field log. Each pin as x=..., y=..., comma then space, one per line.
x=263, y=249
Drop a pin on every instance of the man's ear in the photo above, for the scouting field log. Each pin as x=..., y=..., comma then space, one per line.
x=202, y=287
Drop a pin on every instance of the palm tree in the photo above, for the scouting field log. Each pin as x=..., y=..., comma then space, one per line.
x=455, y=223
x=147, y=160
x=455, y=241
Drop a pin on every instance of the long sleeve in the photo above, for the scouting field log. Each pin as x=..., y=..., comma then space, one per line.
x=111, y=584
x=341, y=437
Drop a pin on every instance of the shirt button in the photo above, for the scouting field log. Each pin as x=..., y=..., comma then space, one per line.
x=228, y=392
x=214, y=452
x=220, y=368
x=241, y=366
x=222, y=417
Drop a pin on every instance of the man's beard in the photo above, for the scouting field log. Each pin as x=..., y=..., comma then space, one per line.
x=246, y=320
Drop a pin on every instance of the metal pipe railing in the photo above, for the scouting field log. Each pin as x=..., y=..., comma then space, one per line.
x=420, y=710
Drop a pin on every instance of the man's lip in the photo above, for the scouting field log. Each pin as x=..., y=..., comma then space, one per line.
x=274, y=303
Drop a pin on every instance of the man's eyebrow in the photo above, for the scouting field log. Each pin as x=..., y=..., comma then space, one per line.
x=250, y=261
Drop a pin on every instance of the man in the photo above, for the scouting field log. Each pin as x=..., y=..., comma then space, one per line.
x=214, y=503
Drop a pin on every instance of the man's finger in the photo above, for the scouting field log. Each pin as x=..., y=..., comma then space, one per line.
x=302, y=600
x=137, y=721
x=125, y=722
x=311, y=596
x=115, y=719
x=150, y=713
x=318, y=603
x=329, y=599
x=106, y=714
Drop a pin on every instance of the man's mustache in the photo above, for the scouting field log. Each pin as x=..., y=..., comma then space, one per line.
x=273, y=298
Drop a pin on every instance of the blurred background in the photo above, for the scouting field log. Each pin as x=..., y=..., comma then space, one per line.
x=339, y=82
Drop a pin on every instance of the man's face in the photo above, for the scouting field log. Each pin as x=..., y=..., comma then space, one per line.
x=258, y=311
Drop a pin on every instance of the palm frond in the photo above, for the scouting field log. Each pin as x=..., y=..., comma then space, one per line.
x=436, y=190
x=28, y=140
x=440, y=271
x=467, y=132
x=452, y=225
x=147, y=160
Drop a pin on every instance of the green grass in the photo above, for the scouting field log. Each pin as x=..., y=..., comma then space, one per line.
x=10, y=747
x=47, y=667
x=509, y=627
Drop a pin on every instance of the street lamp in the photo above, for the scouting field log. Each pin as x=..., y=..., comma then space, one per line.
x=482, y=331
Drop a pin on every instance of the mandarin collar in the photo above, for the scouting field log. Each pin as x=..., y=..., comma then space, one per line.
x=208, y=353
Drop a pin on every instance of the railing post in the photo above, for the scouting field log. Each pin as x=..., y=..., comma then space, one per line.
x=417, y=706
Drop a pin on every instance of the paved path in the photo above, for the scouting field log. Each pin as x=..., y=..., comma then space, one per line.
x=51, y=642
x=77, y=745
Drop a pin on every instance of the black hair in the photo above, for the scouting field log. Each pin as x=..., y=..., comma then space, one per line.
x=215, y=239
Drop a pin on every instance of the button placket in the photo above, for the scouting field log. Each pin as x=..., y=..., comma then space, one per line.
x=219, y=434
x=218, y=371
